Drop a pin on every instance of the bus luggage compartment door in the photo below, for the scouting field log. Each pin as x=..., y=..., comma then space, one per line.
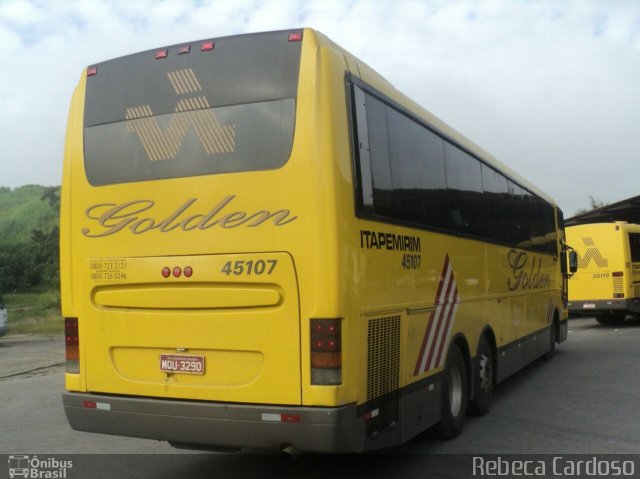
x=210, y=327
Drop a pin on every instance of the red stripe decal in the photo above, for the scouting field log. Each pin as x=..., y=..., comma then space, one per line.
x=440, y=322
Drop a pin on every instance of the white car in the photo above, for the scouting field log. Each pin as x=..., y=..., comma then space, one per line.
x=3, y=317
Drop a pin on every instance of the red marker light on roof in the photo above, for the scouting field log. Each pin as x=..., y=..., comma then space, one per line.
x=295, y=37
x=188, y=271
x=177, y=272
x=207, y=46
x=166, y=272
x=92, y=71
x=184, y=49
x=162, y=54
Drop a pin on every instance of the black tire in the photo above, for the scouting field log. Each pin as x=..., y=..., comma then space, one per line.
x=553, y=339
x=611, y=318
x=484, y=380
x=603, y=319
x=454, y=395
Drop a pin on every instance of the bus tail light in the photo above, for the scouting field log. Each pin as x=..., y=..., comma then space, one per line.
x=326, y=352
x=72, y=345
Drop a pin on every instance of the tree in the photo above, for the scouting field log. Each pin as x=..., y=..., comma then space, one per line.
x=47, y=256
x=52, y=195
x=594, y=204
x=47, y=243
x=29, y=260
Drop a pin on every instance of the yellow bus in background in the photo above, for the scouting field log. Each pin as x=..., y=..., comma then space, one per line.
x=607, y=284
x=264, y=244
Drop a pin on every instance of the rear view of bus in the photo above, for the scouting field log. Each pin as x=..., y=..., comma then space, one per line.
x=607, y=283
x=264, y=244
x=186, y=225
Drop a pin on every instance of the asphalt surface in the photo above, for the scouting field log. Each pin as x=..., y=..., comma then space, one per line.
x=21, y=354
x=584, y=401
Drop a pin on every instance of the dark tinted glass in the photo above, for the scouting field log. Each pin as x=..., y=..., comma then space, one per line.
x=229, y=109
x=543, y=234
x=519, y=231
x=634, y=245
x=464, y=187
x=421, y=178
x=495, y=196
x=560, y=229
x=379, y=155
x=417, y=164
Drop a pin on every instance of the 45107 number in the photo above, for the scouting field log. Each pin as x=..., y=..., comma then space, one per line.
x=411, y=261
x=258, y=267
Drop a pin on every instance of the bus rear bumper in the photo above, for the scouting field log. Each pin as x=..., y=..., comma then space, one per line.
x=604, y=306
x=223, y=425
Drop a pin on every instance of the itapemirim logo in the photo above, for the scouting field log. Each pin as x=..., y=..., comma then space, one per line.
x=33, y=467
x=191, y=112
x=592, y=253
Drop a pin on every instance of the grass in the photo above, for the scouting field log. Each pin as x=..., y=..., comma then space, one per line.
x=35, y=312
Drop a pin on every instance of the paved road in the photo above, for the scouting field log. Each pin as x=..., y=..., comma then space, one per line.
x=21, y=354
x=583, y=401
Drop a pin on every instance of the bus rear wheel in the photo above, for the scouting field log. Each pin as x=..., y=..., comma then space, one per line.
x=454, y=395
x=484, y=379
x=553, y=338
x=611, y=318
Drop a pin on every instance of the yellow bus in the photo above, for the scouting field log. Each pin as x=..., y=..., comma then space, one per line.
x=266, y=245
x=607, y=284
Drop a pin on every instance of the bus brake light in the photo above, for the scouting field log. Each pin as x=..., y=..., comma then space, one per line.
x=72, y=344
x=326, y=352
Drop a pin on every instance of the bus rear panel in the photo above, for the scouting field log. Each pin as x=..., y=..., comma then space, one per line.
x=607, y=284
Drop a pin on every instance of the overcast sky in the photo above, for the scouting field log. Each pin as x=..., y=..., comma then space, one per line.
x=551, y=88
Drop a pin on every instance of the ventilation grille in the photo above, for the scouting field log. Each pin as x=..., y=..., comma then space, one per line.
x=618, y=284
x=383, y=373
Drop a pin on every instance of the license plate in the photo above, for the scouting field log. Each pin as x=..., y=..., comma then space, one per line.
x=182, y=363
x=588, y=306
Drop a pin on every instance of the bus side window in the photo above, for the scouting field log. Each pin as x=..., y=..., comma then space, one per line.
x=364, y=163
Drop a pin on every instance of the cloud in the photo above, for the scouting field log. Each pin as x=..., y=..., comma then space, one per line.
x=20, y=12
x=550, y=88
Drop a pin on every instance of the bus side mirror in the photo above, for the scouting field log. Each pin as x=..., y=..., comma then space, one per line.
x=573, y=262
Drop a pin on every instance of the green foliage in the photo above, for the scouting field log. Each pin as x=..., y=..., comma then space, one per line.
x=29, y=218
x=594, y=204
x=34, y=312
x=23, y=210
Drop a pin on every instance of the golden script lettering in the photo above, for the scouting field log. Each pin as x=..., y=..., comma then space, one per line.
x=135, y=216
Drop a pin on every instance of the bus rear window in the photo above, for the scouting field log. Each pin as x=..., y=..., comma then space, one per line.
x=226, y=109
x=634, y=245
